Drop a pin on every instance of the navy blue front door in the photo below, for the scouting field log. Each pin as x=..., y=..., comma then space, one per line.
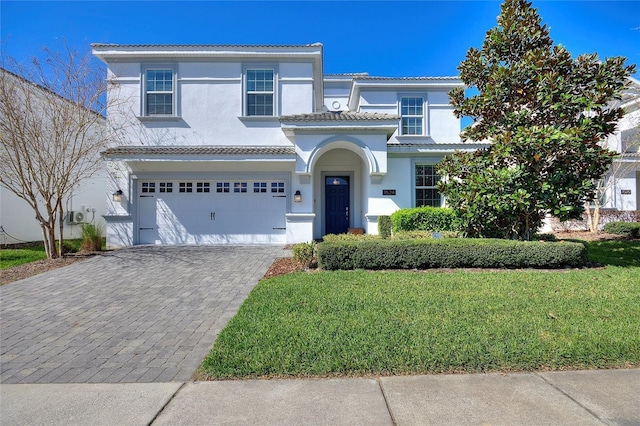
x=336, y=204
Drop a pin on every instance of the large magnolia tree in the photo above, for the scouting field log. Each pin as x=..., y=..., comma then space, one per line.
x=544, y=114
x=52, y=129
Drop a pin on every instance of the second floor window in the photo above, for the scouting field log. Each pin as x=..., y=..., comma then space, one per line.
x=159, y=93
x=260, y=92
x=411, y=113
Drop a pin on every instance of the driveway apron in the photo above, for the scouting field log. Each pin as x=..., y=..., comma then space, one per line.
x=145, y=314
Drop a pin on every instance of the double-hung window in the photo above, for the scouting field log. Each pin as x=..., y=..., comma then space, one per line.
x=412, y=116
x=427, y=193
x=159, y=92
x=260, y=92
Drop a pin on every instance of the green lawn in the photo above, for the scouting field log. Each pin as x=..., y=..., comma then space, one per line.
x=15, y=257
x=359, y=322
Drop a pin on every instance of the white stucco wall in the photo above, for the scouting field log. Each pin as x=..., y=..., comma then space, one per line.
x=18, y=221
x=209, y=102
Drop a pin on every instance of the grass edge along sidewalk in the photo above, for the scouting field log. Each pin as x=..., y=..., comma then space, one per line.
x=352, y=323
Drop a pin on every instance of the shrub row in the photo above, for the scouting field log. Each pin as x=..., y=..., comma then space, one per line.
x=628, y=229
x=449, y=253
x=424, y=218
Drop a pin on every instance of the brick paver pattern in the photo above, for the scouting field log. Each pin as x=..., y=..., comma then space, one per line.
x=144, y=314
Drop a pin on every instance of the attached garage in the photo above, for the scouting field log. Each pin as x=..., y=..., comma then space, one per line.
x=215, y=211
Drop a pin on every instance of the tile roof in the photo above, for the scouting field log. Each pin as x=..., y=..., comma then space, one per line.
x=203, y=150
x=186, y=46
x=408, y=78
x=339, y=116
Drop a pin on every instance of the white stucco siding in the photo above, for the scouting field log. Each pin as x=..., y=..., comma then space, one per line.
x=18, y=218
x=297, y=96
x=443, y=126
x=209, y=104
x=381, y=101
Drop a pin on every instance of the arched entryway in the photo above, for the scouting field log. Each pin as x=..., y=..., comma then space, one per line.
x=339, y=177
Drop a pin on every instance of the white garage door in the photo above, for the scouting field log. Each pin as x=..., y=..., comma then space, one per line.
x=211, y=212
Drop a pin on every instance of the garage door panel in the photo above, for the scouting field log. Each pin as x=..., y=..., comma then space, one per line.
x=211, y=217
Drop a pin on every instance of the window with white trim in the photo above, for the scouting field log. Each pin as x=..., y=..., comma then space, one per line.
x=426, y=188
x=222, y=187
x=203, y=186
x=148, y=187
x=259, y=186
x=277, y=187
x=166, y=186
x=159, y=92
x=186, y=187
x=411, y=116
x=240, y=187
x=259, y=92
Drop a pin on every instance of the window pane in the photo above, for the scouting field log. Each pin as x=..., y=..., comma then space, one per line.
x=260, y=80
x=159, y=80
x=260, y=104
x=427, y=193
x=411, y=126
x=159, y=104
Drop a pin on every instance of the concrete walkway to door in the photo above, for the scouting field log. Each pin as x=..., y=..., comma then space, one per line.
x=144, y=314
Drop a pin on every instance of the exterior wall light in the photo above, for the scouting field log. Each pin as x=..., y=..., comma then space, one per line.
x=117, y=196
x=297, y=197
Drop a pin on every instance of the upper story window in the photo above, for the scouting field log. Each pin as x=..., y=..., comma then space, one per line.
x=412, y=116
x=259, y=86
x=159, y=92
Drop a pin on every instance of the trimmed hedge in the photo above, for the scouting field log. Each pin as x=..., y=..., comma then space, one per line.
x=449, y=253
x=384, y=226
x=628, y=229
x=424, y=218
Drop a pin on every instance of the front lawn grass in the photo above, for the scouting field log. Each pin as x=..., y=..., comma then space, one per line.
x=381, y=323
x=33, y=252
x=15, y=257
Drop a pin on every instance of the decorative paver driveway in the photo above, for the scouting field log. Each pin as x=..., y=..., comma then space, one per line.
x=145, y=314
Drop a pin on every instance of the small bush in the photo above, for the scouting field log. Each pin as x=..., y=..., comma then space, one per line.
x=91, y=237
x=424, y=218
x=350, y=237
x=628, y=229
x=449, y=253
x=303, y=253
x=69, y=247
x=543, y=237
x=416, y=235
x=384, y=226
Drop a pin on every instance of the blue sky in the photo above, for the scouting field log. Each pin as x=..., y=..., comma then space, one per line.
x=384, y=38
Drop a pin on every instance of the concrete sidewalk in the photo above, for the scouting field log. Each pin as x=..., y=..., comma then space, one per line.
x=575, y=397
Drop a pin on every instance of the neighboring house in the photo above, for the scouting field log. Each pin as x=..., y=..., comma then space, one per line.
x=254, y=144
x=86, y=204
x=623, y=190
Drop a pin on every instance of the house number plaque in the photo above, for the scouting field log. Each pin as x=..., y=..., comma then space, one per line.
x=388, y=192
x=625, y=191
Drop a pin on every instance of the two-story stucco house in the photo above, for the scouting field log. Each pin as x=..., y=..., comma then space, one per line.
x=256, y=145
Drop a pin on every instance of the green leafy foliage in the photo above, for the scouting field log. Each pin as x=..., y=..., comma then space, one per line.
x=544, y=113
x=384, y=226
x=424, y=218
x=449, y=253
x=350, y=237
x=628, y=229
x=416, y=235
x=303, y=253
x=91, y=237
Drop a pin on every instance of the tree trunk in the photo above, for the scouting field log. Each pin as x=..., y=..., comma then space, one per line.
x=61, y=227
